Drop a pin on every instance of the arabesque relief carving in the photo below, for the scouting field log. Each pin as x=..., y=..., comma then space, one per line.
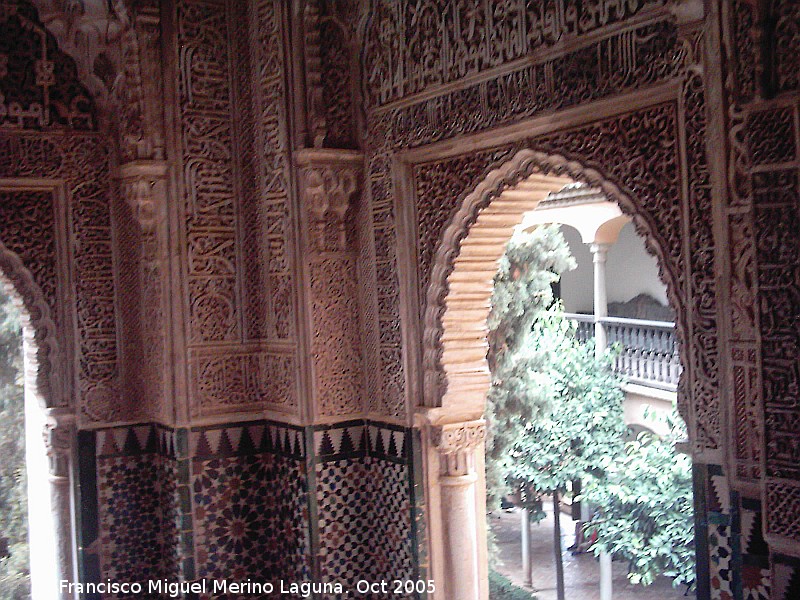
x=763, y=216
x=638, y=52
x=416, y=46
x=81, y=161
x=329, y=182
x=235, y=189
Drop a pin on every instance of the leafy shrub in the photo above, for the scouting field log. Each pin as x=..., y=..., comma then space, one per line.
x=501, y=588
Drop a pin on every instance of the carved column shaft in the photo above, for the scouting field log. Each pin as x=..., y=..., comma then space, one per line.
x=144, y=188
x=59, y=440
x=457, y=444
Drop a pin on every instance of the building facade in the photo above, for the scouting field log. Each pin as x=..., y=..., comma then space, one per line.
x=252, y=238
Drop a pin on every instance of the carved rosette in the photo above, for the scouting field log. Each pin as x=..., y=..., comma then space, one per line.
x=456, y=444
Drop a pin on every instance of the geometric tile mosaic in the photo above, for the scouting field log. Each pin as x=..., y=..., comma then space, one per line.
x=720, y=556
x=250, y=518
x=343, y=495
x=785, y=577
x=137, y=511
x=363, y=496
x=393, y=558
x=247, y=438
x=719, y=495
x=232, y=501
x=756, y=574
x=249, y=490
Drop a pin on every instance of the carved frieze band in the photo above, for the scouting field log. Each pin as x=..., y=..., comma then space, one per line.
x=413, y=47
x=458, y=437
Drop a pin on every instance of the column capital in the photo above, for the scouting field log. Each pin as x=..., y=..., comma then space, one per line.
x=59, y=433
x=458, y=437
x=329, y=182
x=456, y=443
x=139, y=180
x=599, y=250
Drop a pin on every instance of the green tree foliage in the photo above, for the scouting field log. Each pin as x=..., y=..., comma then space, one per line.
x=584, y=427
x=555, y=415
x=14, y=568
x=553, y=408
x=520, y=391
x=646, y=514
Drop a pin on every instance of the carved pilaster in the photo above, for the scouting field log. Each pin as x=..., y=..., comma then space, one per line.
x=143, y=241
x=329, y=183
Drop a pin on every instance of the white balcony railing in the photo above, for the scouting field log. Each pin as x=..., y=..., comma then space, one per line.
x=648, y=351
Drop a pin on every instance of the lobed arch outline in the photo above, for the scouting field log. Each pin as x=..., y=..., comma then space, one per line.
x=527, y=162
x=38, y=330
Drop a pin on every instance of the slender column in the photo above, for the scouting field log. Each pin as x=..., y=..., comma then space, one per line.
x=59, y=438
x=605, y=576
x=599, y=252
x=456, y=444
x=526, y=546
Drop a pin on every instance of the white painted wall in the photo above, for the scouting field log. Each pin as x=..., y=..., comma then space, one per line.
x=630, y=271
x=577, y=286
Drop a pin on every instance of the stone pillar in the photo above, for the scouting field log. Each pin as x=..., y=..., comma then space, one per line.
x=59, y=438
x=526, y=546
x=599, y=252
x=456, y=444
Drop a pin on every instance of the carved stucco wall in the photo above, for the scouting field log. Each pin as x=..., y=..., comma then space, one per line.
x=760, y=216
x=436, y=73
x=236, y=219
x=54, y=184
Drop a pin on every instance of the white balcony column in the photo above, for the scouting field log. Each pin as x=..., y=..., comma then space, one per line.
x=457, y=444
x=599, y=252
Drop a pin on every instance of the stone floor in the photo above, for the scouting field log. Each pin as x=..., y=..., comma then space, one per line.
x=581, y=572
